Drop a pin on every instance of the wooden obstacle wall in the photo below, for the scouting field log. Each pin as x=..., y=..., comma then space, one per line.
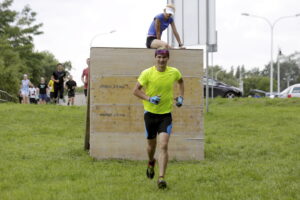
x=116, y=125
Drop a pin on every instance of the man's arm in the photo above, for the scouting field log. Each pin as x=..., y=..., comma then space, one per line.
x=176, y=34
x=82, y=77
x=157, y=28
x=181, y=87
x=137, y=91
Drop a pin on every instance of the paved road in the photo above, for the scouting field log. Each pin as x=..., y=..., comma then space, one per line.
x=79, y=100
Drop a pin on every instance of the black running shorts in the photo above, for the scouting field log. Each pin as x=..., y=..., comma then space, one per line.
x=149, y=41
x=157, y=123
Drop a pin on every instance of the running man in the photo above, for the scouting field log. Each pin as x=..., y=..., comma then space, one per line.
x=70, y=86
x=85, y=77
x=155, y=88
x=59, y=78
x=158, y=25
x=25, y=89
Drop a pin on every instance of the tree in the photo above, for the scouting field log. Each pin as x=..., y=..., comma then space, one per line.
x=17, y=55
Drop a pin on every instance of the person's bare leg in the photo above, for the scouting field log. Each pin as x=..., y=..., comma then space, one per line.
x=163, y=153
x=151, y=148
x=159, y=43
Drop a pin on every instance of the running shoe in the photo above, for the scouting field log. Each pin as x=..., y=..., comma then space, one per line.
x=161, y=183
x=150, y=169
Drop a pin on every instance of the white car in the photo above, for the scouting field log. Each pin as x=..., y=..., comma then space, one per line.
x=292, y=91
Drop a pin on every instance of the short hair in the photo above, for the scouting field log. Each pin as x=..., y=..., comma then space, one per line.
x=162, y=51
x=59, y=64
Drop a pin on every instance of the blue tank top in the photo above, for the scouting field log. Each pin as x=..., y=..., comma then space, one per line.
x=25, y=85
x=163, y=24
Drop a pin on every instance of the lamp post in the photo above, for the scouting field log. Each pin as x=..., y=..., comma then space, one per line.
x=278, y=70
x=103, y=33
x=216, y=75
x=272, y=25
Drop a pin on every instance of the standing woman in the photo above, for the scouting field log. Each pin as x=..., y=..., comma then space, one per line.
x=25, y=89
x=158, y=25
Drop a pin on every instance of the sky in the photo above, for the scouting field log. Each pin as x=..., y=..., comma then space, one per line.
x=70, y=26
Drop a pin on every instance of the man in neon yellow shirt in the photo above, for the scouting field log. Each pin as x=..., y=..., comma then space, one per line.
x=155, y=88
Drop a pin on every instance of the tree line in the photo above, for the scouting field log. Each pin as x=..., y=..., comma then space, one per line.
x=17, y=54
x=260, y=79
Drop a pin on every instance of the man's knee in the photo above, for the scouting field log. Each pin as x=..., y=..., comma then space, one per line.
x=163, y=146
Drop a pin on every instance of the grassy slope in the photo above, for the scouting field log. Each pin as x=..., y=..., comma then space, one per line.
x=252, y=152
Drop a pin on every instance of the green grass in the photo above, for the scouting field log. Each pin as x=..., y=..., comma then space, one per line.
x=252, y=151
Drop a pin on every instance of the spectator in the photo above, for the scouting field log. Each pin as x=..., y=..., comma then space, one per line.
x=158, y=25
x=85, y=77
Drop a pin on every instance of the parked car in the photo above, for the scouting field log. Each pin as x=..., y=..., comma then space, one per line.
x=292, y=91
x=221, y=89
x=260, y=93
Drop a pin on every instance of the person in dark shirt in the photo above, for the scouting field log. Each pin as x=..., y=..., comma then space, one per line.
x=59, y=77
x=70, y=86
x=42, y=91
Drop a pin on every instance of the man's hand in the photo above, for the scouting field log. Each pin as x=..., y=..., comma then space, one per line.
x=179, y=101
x=155, y=100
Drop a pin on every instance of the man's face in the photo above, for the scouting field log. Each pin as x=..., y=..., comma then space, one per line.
x=161, y=60
x=88, y=62
x=59, y=68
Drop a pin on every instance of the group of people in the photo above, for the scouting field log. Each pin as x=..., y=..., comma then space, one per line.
x=51, y=92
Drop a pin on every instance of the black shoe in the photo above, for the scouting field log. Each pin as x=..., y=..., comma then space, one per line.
x=161, y=183
x=150, y=169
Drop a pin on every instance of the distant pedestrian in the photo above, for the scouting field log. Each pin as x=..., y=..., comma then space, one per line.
x=42, y=89
x=25, y=89
x=59, y=77
x=32, y=94
x=71, y=85
x=85, y=77
x=51, y=89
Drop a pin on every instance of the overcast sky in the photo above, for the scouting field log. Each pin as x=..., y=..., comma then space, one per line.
x=70, y=25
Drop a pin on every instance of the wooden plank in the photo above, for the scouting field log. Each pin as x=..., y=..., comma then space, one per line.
x=130, y=119
x=133, y=146
x=104, y=90
x=132, y=61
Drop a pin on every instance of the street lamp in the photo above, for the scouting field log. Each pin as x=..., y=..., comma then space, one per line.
x=216, y=75
x=279, y=56
x=272, y=25
x=103, y=33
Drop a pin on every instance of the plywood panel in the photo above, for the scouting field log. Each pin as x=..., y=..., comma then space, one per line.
x=105, y=89
x=129, y=119
x=123, y=61
x=116, y=115
x=133, y=146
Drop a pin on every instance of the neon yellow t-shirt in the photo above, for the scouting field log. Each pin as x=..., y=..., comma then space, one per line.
x=51, y=84
x=156, y=83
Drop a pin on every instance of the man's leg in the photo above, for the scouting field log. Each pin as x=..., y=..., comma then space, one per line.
x=151, y=148
x=159, y=43
x=55, y=94
x=72, y=99
x=163, y=153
